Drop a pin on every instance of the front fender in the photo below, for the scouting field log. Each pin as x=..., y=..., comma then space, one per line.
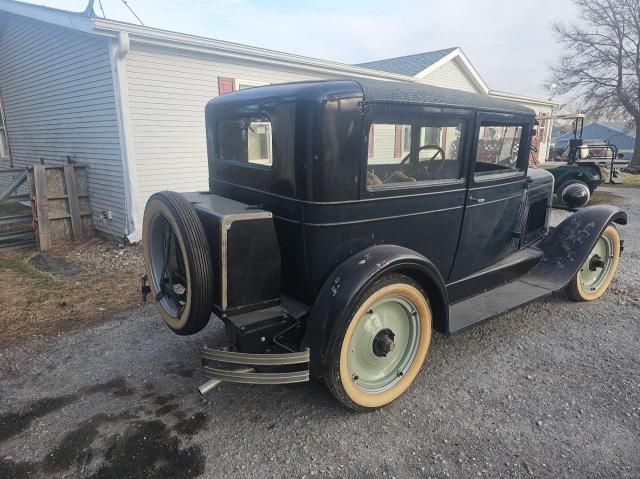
x=344, y=288
x=569, y=244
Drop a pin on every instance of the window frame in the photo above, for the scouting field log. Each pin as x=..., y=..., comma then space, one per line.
x=269, y=158
x=428, y=116
x=249, y=83
x=4, y=134
x=265, y=118
x=499, y=120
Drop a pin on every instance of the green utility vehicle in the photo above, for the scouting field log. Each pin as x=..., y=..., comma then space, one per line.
x=576, y=181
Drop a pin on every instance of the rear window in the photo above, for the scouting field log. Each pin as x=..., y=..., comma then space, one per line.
x=246, y=140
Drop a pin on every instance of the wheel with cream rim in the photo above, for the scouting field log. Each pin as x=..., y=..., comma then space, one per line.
x=382, y=346
x=596, y=273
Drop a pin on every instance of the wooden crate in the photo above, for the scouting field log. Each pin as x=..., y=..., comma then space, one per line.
x=60, y=204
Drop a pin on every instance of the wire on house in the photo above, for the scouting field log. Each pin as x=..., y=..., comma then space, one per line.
x=131, y=10
x=101, y=9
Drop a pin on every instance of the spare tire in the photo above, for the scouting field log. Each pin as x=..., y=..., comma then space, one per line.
x=178, y=262
x=574, y=193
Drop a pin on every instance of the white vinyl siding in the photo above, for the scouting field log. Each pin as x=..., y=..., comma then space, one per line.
x=384, y=139
x=451, y=75
x=168, y=91
x=58, y=97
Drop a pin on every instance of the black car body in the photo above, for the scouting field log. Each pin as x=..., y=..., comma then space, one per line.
x=320, y=189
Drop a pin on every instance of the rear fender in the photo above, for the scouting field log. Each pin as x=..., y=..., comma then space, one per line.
x=569, y=244
x=344, y=288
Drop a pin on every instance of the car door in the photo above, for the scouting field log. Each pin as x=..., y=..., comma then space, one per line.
x=415, y=179
x=497, y=184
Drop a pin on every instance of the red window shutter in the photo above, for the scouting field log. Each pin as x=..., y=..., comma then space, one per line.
x=371, y=141
x=397, y=146
x=225, y=85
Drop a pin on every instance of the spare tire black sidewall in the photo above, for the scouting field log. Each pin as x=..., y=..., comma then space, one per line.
x=198, y=272
x=564, y=185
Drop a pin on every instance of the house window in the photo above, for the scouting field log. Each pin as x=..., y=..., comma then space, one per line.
x=246, y=140
x=4, y=142
x=244, y=84
x=498, y=149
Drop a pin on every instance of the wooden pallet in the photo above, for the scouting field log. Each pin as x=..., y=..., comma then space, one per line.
x=60, y=204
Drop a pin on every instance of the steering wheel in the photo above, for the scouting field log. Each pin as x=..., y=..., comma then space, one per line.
x=439, y=151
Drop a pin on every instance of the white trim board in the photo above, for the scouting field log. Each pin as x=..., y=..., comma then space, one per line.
x=469, y=68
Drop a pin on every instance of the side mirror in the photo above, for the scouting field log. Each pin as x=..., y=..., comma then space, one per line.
x=534, y=132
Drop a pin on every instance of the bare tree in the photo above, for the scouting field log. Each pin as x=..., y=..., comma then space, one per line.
x=601, y=64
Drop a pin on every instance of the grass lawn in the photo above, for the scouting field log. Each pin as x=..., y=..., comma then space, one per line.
x=67, y=289
x=630, y=181
x=599, y=197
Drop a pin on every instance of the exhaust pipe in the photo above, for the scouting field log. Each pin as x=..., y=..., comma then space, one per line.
x=212, y=384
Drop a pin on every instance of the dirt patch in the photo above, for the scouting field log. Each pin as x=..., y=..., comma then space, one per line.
x=58, y=266
x=630, y=180
x=130, y=443
x=162, y=400
x=600, y=197
x=67, y=289
x=192, y=425
x=148, y=450
x=144, y=449
x=117, y=387
x=16, y=422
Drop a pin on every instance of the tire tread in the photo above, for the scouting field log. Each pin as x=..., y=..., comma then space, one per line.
x=198, y=256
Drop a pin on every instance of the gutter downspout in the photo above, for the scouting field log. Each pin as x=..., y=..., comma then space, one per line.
x=118, y=53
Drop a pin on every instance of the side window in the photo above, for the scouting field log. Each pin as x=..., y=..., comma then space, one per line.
x=416, y=151
x=245, y=140
x=4, y=144
x=498, y=147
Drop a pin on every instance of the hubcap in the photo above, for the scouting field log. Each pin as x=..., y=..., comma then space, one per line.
x=384, y=344
x=598, y=264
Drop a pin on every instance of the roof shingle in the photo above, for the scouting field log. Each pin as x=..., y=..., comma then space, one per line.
x=409, y=65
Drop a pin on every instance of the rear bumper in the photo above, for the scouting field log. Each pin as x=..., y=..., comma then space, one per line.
x=287, y=367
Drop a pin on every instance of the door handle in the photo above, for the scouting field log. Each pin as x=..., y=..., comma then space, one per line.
x=475, y=200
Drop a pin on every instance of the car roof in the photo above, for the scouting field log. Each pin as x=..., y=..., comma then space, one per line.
x=403, y=92
x=376, y=91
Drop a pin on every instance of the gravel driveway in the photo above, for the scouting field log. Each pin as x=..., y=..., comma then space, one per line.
x=550, y=390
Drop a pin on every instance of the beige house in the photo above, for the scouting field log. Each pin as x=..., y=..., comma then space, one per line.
x=129, y=100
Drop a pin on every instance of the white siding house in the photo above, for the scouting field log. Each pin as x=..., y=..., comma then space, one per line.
x=58, y=99
x=168, y=91
x=451, y=75
x=129, y=100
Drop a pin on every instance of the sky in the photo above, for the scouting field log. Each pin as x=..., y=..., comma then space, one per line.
x=510, y=42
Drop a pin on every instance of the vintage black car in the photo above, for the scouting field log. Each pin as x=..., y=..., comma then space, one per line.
x=347, y=219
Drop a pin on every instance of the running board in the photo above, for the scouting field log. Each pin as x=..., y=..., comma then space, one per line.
x=494, y=302
x=248, y=375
